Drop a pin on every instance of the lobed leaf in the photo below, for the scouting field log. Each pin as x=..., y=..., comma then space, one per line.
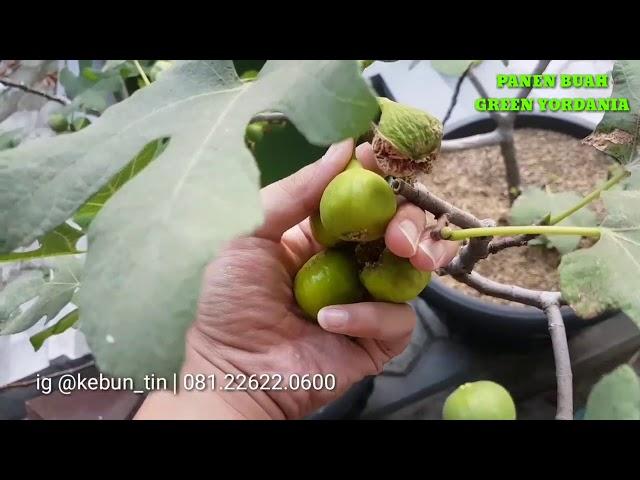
x=52, y=293
x=90, y=209
x=615, y=397
x=535, y=203
x=150, y=243
x=61, y=326
x=59, y=241
x=618, y=131
x=606, y=276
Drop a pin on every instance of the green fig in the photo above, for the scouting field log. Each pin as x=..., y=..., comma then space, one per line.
x=320, y=233
x=357, y=205
x=481, y=400
x=407, y=140
x=80, y=123
x=328, y=278
x=393, y=279
x=58, y=123
x=255, y=132
x=250, y=75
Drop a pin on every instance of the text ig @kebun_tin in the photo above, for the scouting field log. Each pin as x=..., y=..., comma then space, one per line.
x=70, y=382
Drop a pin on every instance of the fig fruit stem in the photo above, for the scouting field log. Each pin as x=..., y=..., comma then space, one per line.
x=590, y=197
x=449, y=234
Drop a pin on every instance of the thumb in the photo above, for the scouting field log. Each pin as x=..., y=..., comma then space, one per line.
x=290, y=200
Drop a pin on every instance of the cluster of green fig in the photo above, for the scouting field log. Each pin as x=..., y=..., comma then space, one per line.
x=355, y=210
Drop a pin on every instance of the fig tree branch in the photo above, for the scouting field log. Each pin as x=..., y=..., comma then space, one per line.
x=534, y=298
x=474, y=141
x=538, y=70
x=471, y=253
x=564, y=377
x=483, y=93
x=33, y=91
x=456, y=93
x=420, y=196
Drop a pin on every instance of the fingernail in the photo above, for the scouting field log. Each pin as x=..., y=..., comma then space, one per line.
x=410, y=232
x=435, y=250
x=338, y=152
x=332, y=318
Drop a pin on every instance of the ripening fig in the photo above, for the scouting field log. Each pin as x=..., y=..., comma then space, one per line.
x=481, y=400
x=320, y=233
x=393, y=279
x=357, y=205
x=407, y=140
x=328, y=278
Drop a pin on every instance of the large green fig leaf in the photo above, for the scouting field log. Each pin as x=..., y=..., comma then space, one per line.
x=535, y=203
x=18, y=291
x=618, y=131
x=615, y=397
x=150, y=242
x=61, y=326
x=606, y=276
x=90, y=209
x=282, y=151
x=59, y=241
x=53, y=294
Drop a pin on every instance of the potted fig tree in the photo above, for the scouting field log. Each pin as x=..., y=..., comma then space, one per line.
x=516, y=168
x=126, y=169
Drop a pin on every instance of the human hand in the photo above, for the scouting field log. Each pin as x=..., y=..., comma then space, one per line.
x=248, y=321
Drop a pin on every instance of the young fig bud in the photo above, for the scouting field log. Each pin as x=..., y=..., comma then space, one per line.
x=407, y=140
x=393, y=279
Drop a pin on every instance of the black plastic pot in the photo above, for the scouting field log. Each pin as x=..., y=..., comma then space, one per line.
x=492, y=324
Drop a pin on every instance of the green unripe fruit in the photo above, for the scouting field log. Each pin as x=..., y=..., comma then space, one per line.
x=255, y=132
x=407, y=140
x=357, y=205
x=90, y=74
x=393, y=279
x=58, y=123
x=80, y=123
x=320, y=233
x=249, y=75
x=328, y=278
x=482, y=400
